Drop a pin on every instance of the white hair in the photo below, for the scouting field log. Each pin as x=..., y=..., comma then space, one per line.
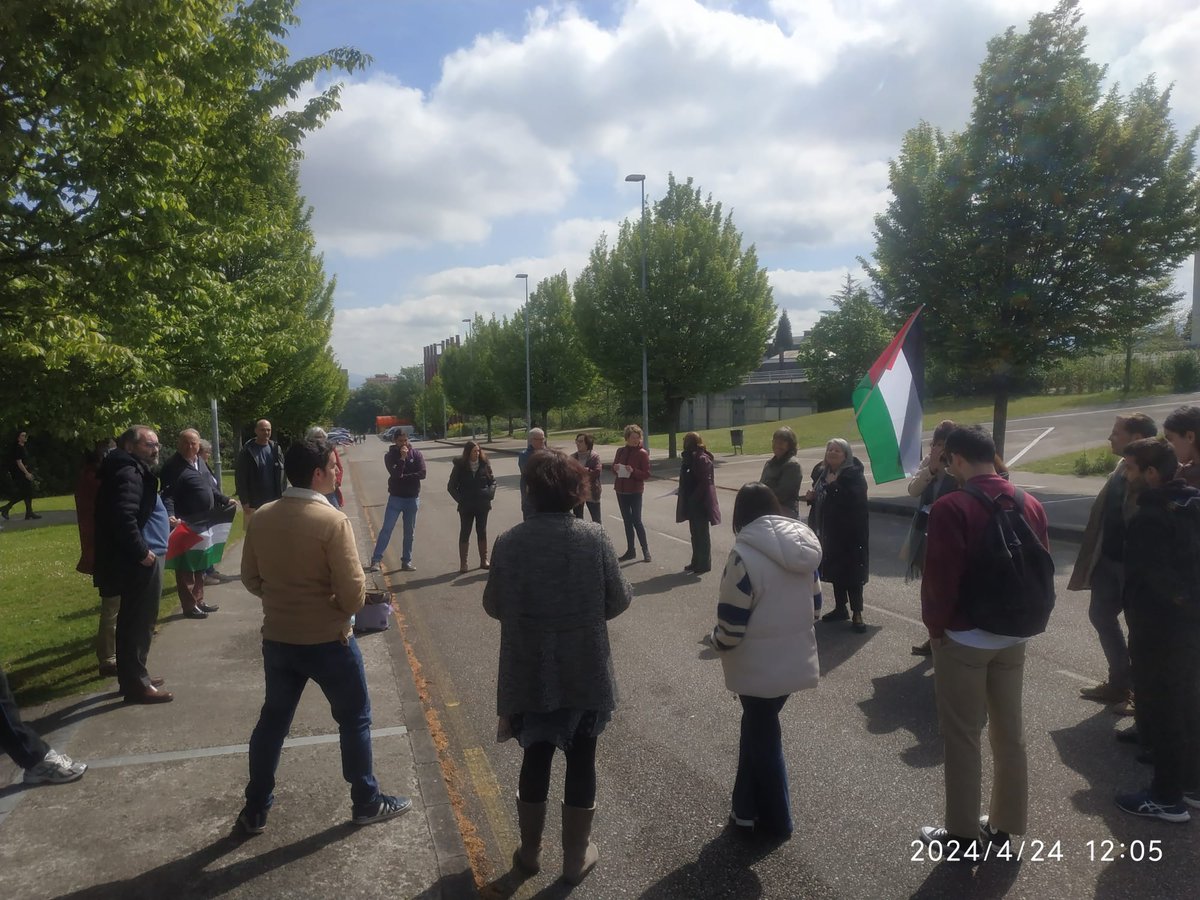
x=316, y=433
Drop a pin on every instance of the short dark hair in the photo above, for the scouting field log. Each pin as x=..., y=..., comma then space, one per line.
x=587, y=439
x=555, y=482
x=1153, y=453
x=305, y=457
x=128, y=438
x=468, y=447
x=788, y=436
x=1140, y=424
x=1183, y=420
x=973, y=444
x=753, y=501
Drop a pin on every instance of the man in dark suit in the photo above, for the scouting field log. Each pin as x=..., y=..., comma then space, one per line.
x=188, y=490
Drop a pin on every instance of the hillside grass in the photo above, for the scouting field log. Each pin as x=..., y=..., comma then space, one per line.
x=49, y=612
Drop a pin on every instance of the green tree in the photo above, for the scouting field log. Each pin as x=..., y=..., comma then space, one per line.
x=364, y=404
x=141, y=146
x=405, y=391
x=1041, y=230
x=842, y=345
x=783, y=334
x=470, y=373
x=707, y=313
x=433, y=407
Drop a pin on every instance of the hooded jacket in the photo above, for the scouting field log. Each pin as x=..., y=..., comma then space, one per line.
x=764, y=632
x=841, y=519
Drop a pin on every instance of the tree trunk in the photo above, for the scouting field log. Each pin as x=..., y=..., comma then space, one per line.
x=1000, y=415
x=674, y=404
x=1128, y=367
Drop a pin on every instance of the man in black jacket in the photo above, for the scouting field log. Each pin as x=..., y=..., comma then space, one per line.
x=131, y=546
x=187, y=491
x=258, y=472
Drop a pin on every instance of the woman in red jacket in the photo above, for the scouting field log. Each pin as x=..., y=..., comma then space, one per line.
x=632, y=467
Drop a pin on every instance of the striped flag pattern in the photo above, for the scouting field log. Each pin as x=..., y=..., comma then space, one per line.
x=888, y=404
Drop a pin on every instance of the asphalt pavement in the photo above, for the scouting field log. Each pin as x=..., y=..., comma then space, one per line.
x=863, y=752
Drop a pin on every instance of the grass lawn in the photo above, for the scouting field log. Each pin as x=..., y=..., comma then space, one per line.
x=817, y=429
x=49, y=612
x=1101, y=460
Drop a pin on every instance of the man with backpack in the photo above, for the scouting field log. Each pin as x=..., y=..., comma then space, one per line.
x=988, y=587
x=1162, y=609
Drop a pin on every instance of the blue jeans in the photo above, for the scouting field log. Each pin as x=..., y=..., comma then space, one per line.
x=337, y=669
x=760, y=791
x=396, y=506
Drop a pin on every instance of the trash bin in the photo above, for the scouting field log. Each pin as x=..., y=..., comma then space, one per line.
x=735, y=438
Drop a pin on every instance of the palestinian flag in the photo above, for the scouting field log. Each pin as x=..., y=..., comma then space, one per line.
x=887, y=404
x=199, y=541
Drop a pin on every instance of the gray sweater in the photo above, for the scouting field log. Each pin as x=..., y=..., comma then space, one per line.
x=554, y=583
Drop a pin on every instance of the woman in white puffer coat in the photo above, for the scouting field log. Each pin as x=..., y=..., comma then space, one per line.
x=768, y=649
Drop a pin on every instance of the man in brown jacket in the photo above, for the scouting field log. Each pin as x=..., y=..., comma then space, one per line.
x=300, y=557
x=1100, y=567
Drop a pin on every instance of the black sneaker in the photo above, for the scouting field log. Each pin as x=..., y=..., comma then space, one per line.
x=372, y=568
x=385, y=807
x=30, y=516
x=990, y=835
x=1127, y=736
x=946, y=847
x=837, y=614
x=627, y=556
x=1141, y=803
x=252, y=822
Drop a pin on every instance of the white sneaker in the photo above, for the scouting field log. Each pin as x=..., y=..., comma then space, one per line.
x=55, y=769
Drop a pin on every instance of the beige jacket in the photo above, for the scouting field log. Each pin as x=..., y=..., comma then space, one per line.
x=300, y=557
x=1089, y=549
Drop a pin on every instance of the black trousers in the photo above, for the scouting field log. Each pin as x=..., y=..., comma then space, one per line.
x=1164, y=651
x=19, y=741
x=579, y=788
x=593, y=507
x=844, y=592
x=466, y=518
x=140, y=596
x=22, y=490
x=701, y=542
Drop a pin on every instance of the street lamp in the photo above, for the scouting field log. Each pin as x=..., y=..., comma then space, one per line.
x=641, y=179
x=469, y=323
x=528, y=392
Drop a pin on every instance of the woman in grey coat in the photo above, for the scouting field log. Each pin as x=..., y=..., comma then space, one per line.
x=554, y=584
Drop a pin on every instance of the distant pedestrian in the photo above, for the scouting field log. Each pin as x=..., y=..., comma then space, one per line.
x=840, y=518
x=132, y=528
x=258, y=471
x=1162, y=607
x=554, y=585
x=472, y=486
x=406, y=471
x=768, y=650
x=586, y=455
x=22, y=477
x=299, y=556
x=631, y=466
x=930, y=484
x=87, y=486
x=1100, y=564
x=1182, y=431
x=696, y=503
x=782, y=473
x=42, y=765
x=536, y=440
x=979, y=674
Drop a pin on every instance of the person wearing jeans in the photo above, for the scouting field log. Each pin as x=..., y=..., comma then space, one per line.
x=299, y=557
x=406, y=471
x=767, y=646
x=28, y=750
x=631, y=466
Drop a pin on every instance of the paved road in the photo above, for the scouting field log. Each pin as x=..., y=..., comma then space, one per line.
x=863, y=751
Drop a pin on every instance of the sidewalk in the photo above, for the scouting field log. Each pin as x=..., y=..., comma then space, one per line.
x=153, y=816
x=1067, y=498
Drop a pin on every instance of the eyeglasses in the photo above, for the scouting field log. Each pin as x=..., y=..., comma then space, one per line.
x=152, y=445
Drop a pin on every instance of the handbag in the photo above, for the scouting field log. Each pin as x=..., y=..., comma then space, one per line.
x=374, y=616
x=489, y=491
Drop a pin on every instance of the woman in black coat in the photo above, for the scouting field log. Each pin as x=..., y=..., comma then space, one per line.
x=472, y=486
x=839, y=517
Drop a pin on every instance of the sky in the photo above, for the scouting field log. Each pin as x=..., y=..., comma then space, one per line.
x=493, y=137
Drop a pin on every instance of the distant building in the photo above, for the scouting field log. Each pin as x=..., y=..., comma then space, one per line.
x=433, y=356
x=381, y=379
x=777, y=389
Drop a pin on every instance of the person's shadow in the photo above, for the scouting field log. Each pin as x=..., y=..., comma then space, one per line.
x=723, y=869
x=961, y=881
x=905, y=701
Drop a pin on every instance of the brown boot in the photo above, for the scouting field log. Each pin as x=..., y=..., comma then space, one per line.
x=462, y=556
x=532, y=819
x=579, y=853
x=483, y=555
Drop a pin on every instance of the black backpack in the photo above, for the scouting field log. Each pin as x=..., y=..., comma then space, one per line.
x=1185, y=524
x=1008, y=585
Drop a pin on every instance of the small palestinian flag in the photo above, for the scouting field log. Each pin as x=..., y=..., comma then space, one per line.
x=887, y=404
x=198, y=542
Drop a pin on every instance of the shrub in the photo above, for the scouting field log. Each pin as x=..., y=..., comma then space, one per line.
x=1185, y=372
x=1097, y=462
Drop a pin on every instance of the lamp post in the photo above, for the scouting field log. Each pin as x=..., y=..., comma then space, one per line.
x=641, y=179
x=528, y=391
x=468, y=323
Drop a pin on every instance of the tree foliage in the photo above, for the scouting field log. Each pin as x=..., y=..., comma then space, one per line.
x=842, y=345
x=1042, y=229
x=473, y=373
x=707, y=312
x=153, y=244
x=402, y=398
x=783, y=334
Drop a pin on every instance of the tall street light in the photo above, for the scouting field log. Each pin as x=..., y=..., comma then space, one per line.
x=641, y=179
x=469, y=323
x=528, y=391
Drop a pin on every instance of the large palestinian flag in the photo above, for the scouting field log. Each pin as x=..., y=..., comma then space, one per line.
x=887, y=405
x=198, y=542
